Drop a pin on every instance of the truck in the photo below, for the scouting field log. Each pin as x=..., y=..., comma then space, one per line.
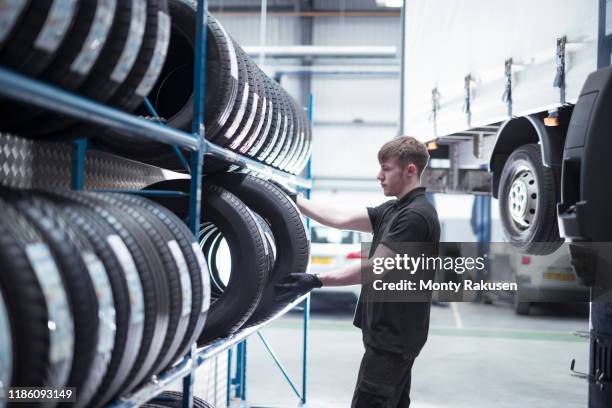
x=492, y=86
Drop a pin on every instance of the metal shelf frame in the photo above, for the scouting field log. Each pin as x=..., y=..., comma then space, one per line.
x=33, y=92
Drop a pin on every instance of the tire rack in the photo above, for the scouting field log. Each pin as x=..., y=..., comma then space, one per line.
x=21, y=88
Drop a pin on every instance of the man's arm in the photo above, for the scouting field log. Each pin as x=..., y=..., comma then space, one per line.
x=300, y=283
x=352, y=274
x=332, y=216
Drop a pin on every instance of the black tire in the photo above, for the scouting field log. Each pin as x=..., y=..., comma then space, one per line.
x=240, y=129
x=72, y=63
x=151, y=278
x=97, y=366
x=276, y=127
x=531, y=190
x=200, y=284
x=172, y=94
x=265, y=133
x=297, y=163
x=37, y=36
x=253, y=118
x=239, y=109
x=521, y=308
x=188, y=271
x=26, y=285
x=210, y=240
x=174, y=399
x=108, y=72
x=298, y=141
x=7, y=340
x=33, y=45
x=249, y=275
x=119, y=53
x=283, y=217
x=285, y=127
x=14, y=13
x=307, y=148
x=263, y=118
x=268, y=240
x=150, y=60
x=77, y=278
x=169, y=281
x=77, y=55
x=291, y=139
x=126, y=289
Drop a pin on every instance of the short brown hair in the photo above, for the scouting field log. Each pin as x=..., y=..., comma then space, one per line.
x=407, y=150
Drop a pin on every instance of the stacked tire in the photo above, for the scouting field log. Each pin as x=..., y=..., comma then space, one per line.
x=119, y=52
x=174, y=399
x=98, y=292
x=252, y=237
x=111, y=51
x=245, y=111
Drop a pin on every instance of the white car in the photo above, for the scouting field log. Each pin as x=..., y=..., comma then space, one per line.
x=548, y=278
x=332, y=249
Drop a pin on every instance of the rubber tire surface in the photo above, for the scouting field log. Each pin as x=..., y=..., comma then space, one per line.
x=21, y=55
x=178, y=323
x=15, y=23
x=290, y=139
x=162, y=262
x=98, y=84
x=127, y=338
x=249, y=274
x=64, y=244
x=250, y=121
x=155, y=296
x=542, y=236
x=285, y=133
x=220, y=95
x=24, y=298
x=174, y=399
x=292, y=245
x=275, y=127
x=98, y=364
x=265, y=134
x=126, y=98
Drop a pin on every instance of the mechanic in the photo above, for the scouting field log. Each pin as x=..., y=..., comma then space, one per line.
x=393, y=332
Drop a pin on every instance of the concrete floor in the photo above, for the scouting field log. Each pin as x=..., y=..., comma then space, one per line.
x=476, y=356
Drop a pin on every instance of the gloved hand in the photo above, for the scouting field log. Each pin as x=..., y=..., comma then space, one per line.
x=295, y=285
x=292, y=195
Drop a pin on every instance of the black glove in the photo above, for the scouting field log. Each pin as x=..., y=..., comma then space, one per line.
x=295, y=285
x=292, y=195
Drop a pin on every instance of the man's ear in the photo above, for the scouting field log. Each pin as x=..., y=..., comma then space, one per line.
x=411, y=169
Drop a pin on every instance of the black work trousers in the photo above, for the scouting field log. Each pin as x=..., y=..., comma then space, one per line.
x=383, y=380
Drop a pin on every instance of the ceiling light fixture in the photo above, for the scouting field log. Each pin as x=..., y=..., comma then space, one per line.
x=390, y=3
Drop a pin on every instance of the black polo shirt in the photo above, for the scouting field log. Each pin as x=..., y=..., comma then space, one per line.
x=399, y=327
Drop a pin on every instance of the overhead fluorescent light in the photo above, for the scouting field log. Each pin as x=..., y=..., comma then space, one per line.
x=390, y=3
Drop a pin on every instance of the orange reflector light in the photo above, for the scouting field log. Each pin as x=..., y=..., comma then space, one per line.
x=551, y=121
x=525, y=260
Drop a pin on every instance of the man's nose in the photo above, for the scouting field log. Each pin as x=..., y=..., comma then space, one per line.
x=380, y=176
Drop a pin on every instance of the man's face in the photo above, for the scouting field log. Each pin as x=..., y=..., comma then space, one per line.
x=393, y=177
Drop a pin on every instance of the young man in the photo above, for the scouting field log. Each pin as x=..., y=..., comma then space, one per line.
x=393, y=332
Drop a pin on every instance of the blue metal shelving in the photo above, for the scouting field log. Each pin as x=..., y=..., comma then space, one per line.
x=21, y=88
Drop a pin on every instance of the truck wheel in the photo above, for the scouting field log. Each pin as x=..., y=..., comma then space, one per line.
x=527, y=202
x=521, y=308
